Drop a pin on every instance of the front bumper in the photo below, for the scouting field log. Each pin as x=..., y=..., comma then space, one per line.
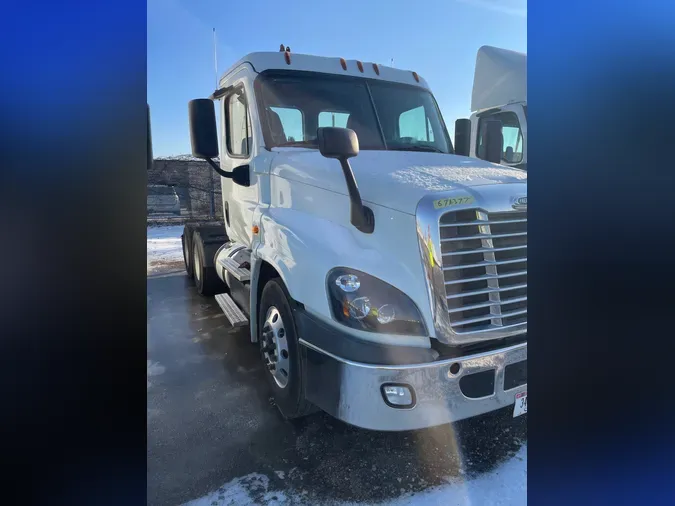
x=352, y=391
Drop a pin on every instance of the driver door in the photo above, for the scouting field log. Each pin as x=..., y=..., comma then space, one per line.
x=238, y=147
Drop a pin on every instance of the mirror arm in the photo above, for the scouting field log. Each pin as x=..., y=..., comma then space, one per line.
x=218, y=169
x=342, y=144
x=361, y=216
x=242, y=178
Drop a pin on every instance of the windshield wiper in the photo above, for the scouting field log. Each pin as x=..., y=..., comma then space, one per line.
x=416, y=147
x=311, y=143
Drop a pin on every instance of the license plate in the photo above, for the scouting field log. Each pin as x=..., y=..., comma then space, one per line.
x=521, y=404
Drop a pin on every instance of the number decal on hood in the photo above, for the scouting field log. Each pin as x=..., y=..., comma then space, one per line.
x=454, y=201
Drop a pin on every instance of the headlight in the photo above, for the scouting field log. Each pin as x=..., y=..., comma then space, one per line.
x=364, y=302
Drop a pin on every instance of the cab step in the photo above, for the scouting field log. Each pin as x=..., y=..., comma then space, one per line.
x=232, y=312
x=231, y=266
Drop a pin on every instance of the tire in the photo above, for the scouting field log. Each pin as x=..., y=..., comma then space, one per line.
x=206, y=278
x=187, y=252
x=289, y=397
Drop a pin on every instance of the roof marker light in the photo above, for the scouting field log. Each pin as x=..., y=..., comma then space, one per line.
x=359, y=65
x=417, y=78
x=376, y=69
x=343, y=63
x=287, y=55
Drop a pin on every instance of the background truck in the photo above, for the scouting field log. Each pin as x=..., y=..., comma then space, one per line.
x=383, y=277
x=499, y=93
x=162, y=199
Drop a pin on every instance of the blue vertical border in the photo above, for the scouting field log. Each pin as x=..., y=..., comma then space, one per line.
x=601, y=83
x=72, y=197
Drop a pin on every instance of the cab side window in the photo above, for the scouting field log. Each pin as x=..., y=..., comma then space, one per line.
x=238, y=124
x=512, y=147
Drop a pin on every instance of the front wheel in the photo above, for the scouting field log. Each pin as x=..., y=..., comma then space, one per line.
x=280, y=352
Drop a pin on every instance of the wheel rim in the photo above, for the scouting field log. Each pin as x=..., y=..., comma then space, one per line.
x=186, y=254
x=197, y=264
x=274, y=345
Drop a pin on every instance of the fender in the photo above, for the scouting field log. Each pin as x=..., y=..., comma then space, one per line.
x=304, y=242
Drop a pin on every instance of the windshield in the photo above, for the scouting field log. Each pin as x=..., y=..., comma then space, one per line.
x=384, y=115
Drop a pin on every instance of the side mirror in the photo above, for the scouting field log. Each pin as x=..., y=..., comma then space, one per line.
x=343, y=144
x=241, y=175
x=337, y=142
x=462, y=137
x=493, y=141
x=204, y=139
x=203, y=131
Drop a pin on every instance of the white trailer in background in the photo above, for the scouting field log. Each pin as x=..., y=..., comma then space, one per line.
x=499, y=93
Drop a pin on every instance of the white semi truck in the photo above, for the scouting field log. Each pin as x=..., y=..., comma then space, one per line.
x=383, y=277
x=499, y=93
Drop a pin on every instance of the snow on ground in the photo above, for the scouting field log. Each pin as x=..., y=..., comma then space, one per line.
x=504, y=485
x=184, y=157
x=165, y=250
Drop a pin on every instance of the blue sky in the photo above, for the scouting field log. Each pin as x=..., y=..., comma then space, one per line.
x=436, y=38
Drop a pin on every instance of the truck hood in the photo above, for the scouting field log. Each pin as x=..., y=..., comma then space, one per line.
x=394, y=179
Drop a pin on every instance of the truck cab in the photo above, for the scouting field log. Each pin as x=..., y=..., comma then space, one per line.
x=382, y=276
x=500, y=93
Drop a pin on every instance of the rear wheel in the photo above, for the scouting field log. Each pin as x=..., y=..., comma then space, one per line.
x=187, y=252
x=206, y=278
x=280, y=352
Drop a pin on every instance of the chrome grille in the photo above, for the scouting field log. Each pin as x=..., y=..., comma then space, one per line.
x=485, y=269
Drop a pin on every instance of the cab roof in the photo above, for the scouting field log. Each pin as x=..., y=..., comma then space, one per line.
x=286, y=60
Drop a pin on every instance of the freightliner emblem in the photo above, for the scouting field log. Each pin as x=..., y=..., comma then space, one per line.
x=520, y=203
